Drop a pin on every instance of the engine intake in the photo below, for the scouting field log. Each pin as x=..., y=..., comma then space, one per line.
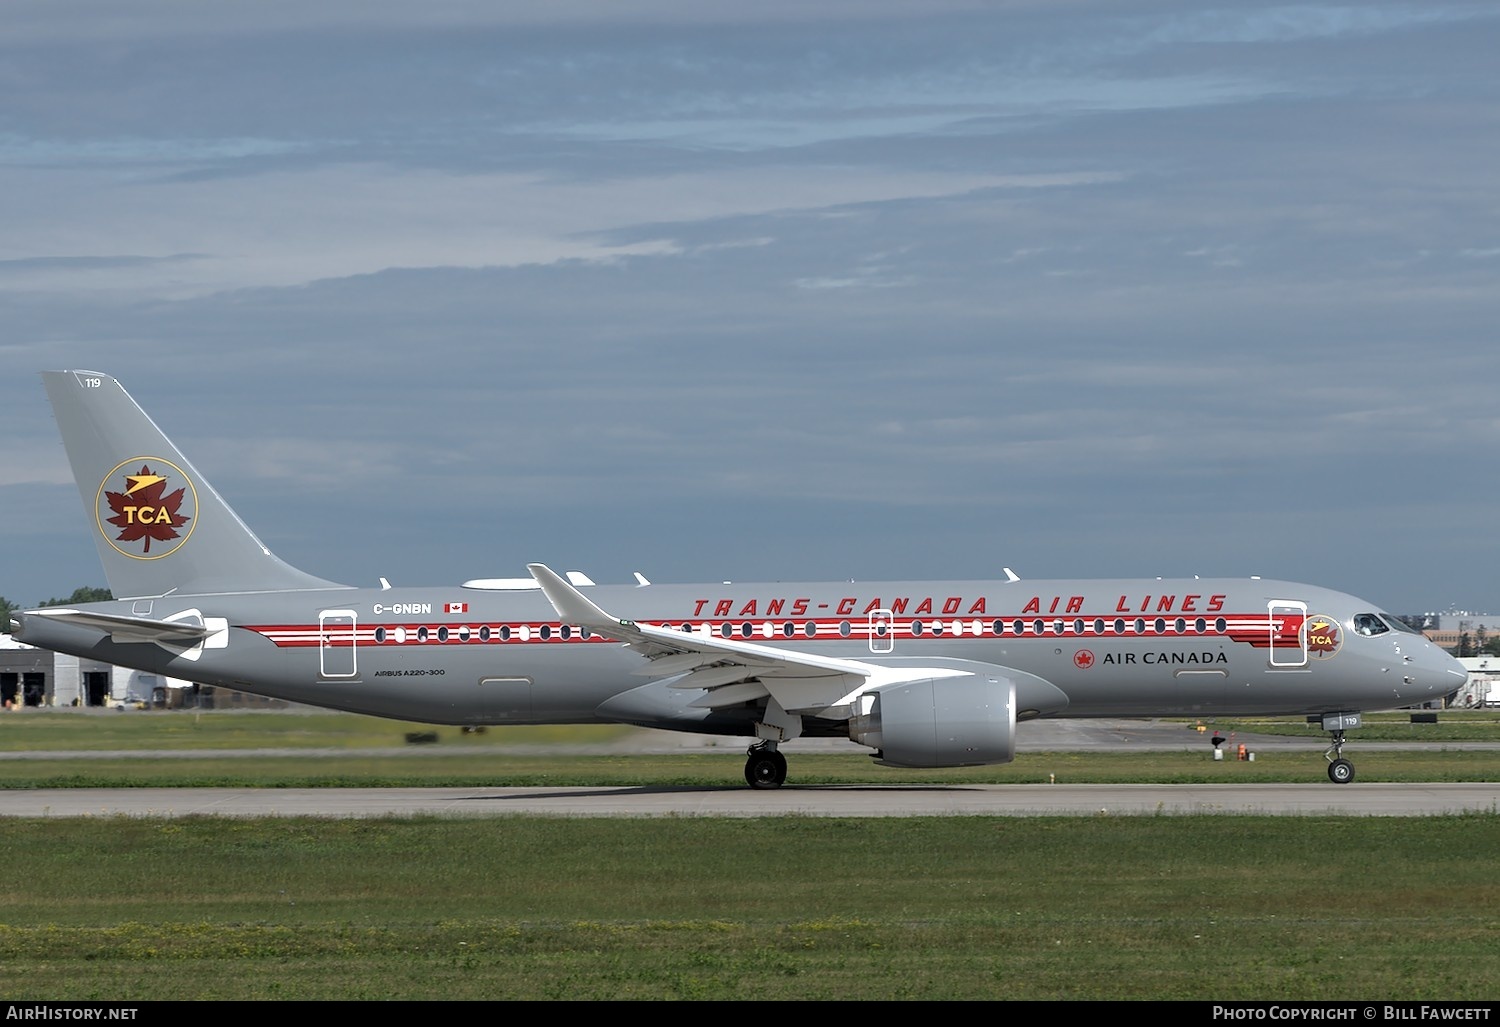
x=963, y=721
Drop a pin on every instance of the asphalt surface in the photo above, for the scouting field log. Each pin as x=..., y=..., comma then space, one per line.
x=834, y=801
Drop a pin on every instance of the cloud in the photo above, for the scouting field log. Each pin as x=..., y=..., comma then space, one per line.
x=293, y=227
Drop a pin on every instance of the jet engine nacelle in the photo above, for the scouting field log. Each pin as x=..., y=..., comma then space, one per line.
x=962, y=721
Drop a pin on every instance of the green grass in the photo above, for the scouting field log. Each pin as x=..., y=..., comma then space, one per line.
x=724, y=768
x=340, y=750
x=33, y=730
x=1203, y=907
x=1451, y=726
x=1219, y=908
x=97, y=730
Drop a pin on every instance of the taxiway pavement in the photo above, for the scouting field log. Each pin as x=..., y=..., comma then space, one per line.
x=1322, y=799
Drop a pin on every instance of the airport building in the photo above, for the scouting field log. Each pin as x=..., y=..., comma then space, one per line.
x=1483, y=687
x=35, y=678
x=1449, y=629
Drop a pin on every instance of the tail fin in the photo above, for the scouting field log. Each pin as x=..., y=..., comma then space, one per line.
x=159, y=526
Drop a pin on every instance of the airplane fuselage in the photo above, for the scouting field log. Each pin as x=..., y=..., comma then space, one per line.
x=465, y=655
x=926, y=674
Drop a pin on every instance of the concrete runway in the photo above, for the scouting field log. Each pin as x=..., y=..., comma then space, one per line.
x=833, y=801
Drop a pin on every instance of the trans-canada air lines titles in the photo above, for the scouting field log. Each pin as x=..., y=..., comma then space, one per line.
x=951, y=606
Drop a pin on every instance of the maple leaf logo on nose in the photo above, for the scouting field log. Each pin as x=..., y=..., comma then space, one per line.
x=142, y=513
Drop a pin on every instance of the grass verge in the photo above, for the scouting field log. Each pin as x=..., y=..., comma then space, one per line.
x=782, y=908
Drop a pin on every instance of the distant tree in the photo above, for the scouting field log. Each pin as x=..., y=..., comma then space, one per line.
x=86, y=594
x=1465, y=647
x=5, y=607
x=1490, y=648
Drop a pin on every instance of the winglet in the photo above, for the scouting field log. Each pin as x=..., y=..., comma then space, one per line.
x=571, y=605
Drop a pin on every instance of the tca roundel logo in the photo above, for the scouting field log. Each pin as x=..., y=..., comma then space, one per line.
x=146, y=508
x=1325, y=637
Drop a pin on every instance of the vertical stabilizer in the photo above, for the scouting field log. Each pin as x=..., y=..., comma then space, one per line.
x=159, y=526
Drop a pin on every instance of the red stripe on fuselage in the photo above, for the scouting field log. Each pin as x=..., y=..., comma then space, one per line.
x=1248, y=629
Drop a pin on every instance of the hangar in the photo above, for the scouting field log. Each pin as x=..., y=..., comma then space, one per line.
x=37, y=678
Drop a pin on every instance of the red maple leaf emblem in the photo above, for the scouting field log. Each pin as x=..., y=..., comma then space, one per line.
x=142, y=512
x=1083, y=659
x=1322, y=635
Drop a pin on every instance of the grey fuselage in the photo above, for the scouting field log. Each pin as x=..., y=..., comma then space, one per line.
x=478, y=655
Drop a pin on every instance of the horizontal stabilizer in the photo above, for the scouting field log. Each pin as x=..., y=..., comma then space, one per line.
x=128, y=629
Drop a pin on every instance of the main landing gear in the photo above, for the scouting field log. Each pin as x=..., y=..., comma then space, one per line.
x=1340, y=770
x=764, y=766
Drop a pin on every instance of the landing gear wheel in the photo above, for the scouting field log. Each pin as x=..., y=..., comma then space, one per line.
x=1341, y=772
x=765, y=768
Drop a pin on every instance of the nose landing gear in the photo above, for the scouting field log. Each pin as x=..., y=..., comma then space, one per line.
x=1340, y=770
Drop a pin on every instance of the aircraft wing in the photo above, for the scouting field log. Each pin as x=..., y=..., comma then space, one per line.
x=128, y=629
x=732, y=671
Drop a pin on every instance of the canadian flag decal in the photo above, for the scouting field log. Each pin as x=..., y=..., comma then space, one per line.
x=455, y=607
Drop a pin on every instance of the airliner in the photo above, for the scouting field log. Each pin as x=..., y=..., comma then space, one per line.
x=922, y=673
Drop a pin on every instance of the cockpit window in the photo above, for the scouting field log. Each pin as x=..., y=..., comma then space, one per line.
x=1399, y=625
x=1370, y=624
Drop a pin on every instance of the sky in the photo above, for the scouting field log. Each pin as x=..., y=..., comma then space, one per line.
x=771, y=292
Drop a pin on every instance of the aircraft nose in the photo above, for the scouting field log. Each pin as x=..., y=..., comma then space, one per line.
x=1444, y=674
